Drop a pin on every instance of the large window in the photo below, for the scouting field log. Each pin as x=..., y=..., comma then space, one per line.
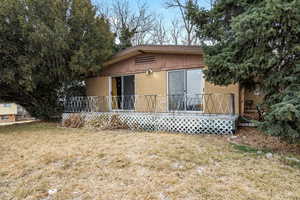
x=4, y=117
x=123, y=92
x=6, y=105
x=185, y=88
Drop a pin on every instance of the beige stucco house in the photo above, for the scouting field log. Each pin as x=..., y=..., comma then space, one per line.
x=165, y=71
x=8, y=112
x=162, y=88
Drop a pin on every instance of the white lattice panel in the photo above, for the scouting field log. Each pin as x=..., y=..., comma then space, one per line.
x=179, y=123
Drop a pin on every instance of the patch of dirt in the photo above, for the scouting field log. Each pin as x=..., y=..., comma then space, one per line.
x=252, y=137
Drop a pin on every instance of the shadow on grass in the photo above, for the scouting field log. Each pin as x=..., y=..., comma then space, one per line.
x=248, y=149
x=292, y=162
x=31, y=126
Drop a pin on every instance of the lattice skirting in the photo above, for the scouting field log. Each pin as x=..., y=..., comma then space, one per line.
x=169, y=122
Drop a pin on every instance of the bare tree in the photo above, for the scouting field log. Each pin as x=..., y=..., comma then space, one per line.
x=213, y=3
x=159, y=34
x=189, y=27
x=131, y=26
x=141, y=38
x=102, y=9
x=175, y=31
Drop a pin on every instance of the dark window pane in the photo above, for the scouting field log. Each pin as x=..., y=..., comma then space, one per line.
x=176, y=89
x=128, y=92
x=194, y=90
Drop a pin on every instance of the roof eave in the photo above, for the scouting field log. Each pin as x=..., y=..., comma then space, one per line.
x=120, y=58
x=117, y=58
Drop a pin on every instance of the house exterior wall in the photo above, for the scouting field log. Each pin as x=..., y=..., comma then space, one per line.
x=8, y=110
x=156, y=83
x=223, y=100
x=162, y=62
x=173, y=62
x=153, y=84
x=99, y=86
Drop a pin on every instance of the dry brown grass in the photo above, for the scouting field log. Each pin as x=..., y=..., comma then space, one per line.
x=112, y=165
x=254, y=138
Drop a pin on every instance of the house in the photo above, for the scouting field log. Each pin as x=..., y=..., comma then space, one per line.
x=168, y=81
x=8, y=112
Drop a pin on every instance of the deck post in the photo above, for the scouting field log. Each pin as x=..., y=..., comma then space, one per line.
x=232, y=103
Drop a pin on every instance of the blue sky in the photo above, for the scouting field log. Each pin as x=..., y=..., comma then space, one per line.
x=157, y=6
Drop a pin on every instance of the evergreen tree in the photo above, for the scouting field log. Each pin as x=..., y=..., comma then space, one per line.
x=125, y=38
x=257, y=42
x=46, y=45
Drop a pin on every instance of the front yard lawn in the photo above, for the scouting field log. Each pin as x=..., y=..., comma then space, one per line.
x=44, y=161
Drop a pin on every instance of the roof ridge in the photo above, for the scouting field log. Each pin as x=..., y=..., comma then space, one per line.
x=166, y=45
x=156, y=45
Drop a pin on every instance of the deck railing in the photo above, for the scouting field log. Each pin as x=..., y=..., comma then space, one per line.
x=215, y=103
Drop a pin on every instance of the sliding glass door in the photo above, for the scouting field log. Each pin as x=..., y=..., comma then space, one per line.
x=185, y=88
x=123, y=91
x=176, y=90
x=194, y=90
x=128, y=92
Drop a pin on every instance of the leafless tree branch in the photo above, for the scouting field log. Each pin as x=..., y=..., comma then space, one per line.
x=159, y=34
x=137, y=22
x=189, y=27
x=175, y=31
